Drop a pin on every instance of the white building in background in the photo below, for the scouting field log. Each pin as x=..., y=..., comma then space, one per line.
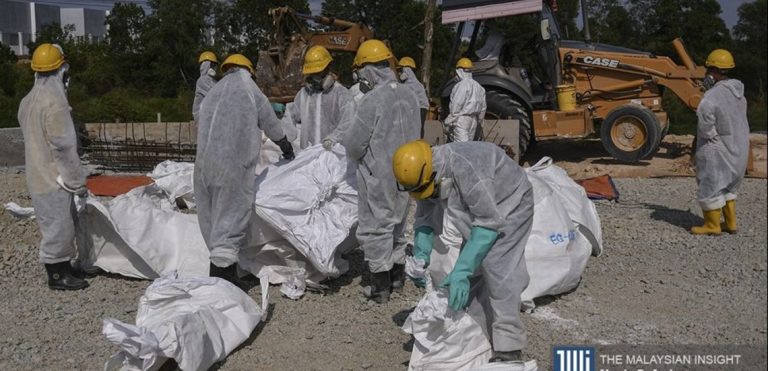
x=20, y=21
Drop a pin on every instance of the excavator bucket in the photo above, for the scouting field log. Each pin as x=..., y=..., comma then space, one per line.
x=281, y=82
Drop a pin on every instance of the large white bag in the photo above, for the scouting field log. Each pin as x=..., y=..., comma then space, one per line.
x=312, y=202
x=139, y=234
x=556, y=252
x=176, y=180
x=195, y=321
x=574, y=199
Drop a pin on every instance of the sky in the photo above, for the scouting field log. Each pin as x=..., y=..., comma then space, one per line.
x=729, y=15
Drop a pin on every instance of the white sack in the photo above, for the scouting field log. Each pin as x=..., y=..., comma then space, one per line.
x=312, y=202
x=19, y=212
x=176, y=180
x=574, y=198
x=445, y=339
x=138, y=234
x=556, y=254
x=195, y=321
x=557, y=250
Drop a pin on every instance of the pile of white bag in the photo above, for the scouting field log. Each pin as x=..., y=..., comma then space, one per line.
x=304, y=212
x=195, y=321
x=565, y=232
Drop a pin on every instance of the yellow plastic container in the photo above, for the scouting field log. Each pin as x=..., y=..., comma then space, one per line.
x=566, y=97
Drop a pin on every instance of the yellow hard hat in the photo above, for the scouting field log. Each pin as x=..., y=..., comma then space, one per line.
x=407, y=62
x=464, y=63
x=721, y=59
x=372, y=51
x=316, y=60
x=207, y=56
x=412, y=165
x=237, y=60
x=47, y=57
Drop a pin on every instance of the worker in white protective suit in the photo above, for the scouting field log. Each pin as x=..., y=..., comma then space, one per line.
x=54, y=172
x=386, y=117
x=467, y=107
x=408, y=78
x=489, y=200
x=355, y=91
x=722, y=144
x=205, y=82
x=229, y=136
x=321, y=104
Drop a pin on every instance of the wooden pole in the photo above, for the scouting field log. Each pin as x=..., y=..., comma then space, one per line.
x=426, y=57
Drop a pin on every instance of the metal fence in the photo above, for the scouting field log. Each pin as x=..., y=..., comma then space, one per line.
x=138, y=146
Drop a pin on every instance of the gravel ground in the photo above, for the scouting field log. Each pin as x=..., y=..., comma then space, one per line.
x=655, y=284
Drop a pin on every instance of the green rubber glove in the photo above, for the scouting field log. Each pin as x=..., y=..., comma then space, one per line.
x=424, y=238
x=474, y=251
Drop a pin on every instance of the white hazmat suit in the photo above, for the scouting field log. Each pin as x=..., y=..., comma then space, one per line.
x=229, y=135
x=204, y=84
x=416, y=87
x=386, y=117
x=50, y=150
x=722, y=145
x=480, y=186
x=318, y=112
x=467, y=107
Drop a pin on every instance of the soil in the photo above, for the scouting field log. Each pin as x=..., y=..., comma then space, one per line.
x=654, y=284
x=586, y=158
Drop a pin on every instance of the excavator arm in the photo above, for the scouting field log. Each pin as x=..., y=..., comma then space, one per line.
x=279, y=68
x=635, y=72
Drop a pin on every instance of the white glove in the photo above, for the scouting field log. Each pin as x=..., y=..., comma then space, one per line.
x=77, y=191
x=328, y=144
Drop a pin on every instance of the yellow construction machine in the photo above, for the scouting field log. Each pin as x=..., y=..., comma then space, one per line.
x=279, y=67
x=581, y=84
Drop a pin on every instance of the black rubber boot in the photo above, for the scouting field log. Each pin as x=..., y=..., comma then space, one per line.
x=397, y=276
x=79, y=272
x=60, y=277
x=380, y=287
x=227, y=273
x=512, y=356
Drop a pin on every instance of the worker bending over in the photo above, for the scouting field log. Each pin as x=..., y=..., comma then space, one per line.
x=488, y=199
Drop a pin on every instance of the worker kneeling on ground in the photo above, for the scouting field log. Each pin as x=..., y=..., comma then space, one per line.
x=490, y=202
x=232, y=118
x=467, y=107
x=406, y=65
x=387, y=116
x=54, y=172
x=205, y=82
x=722, y=144
x=321, y=104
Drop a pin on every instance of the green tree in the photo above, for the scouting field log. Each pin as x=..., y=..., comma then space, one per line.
x=750, y=54
x=698, y=22
x=246, y=26
x=123, y=60
x=171, y=36
x=750, y=47
x=610, y=23
x=399, y=22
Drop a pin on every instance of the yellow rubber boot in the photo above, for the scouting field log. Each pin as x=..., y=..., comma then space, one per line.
x=729, y=213
x=711, y=223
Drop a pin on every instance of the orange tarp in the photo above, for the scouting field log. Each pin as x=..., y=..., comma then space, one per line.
x=115, y=185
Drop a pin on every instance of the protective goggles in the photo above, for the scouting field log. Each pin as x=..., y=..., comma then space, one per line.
x=419, y=187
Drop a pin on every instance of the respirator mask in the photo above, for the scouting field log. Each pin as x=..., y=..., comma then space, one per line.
x=320, y=82
x=366, y=84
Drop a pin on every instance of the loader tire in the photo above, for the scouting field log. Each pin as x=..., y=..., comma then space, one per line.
x=631, y=133
x=501, y=105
